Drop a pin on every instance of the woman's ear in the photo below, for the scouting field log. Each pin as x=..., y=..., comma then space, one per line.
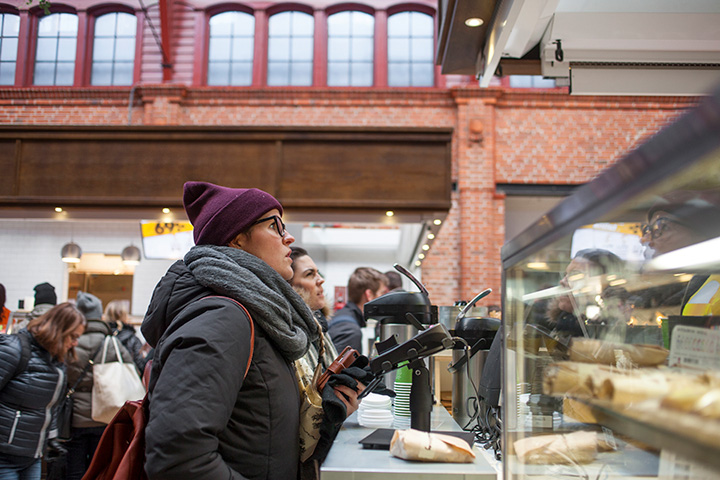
x=235, y=243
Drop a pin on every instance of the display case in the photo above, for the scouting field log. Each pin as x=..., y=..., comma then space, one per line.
x=611, y=318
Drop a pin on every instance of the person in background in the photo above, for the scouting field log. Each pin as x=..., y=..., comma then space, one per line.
x=4, y=311
x=45, y=299
x=209, y=417
x=86, y=432
x=394, y=281
x=365, y=284
x=28, y=398
x=494, y=311
x=117, y=315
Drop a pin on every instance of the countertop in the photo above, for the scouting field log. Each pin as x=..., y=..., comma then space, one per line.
x=347, y=459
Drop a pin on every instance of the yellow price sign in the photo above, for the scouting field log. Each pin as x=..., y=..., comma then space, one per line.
x=152, y=229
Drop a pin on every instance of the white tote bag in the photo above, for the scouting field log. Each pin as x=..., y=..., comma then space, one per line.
x=114, y=383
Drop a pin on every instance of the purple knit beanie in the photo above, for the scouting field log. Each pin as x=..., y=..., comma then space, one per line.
x=219, y=214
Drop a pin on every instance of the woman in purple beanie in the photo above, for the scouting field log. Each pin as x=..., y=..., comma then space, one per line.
x=220, y=405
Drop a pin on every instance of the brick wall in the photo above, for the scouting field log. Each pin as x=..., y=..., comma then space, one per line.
x=527, y=137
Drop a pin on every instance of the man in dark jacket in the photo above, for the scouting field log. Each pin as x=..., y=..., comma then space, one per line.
x=365, y=284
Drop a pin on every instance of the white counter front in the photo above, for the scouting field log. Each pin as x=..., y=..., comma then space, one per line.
x=348, y=460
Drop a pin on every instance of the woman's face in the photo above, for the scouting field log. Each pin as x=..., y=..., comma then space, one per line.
x=270, y=245
x=309, y=279
x=71, y=339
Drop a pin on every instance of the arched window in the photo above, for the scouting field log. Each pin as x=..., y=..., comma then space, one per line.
x=350, y=49
x=55, y=54
x=410, y=50
x=113, y=56
x=9, y=30
x=290, y=49
x=230, y=55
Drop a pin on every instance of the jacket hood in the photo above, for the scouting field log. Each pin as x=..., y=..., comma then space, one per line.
x=176, y=289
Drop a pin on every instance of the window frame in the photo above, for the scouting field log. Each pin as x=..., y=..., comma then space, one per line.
x=438, y=81
x=19, y=62
x=200, y=77
x=379, y=28
x=99, y=11
x=291, y=7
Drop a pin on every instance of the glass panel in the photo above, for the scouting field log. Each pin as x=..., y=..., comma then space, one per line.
x=68, y=25
x=241, y=74
x=125, y=49
x=361, y=74
x=123, y=74
x=11, y=25
x=64, y=74
x=279, y=24
x=101, y=73
x=398, y=74
x=301, y=74
x=399, y=25
x=46, y=49
x=303, y=24
x=7, y=73
x=339, y=49
x=422, y=75
x=363, y=24
x=521, y=81
x=279, y=49
x=105, y=25
x=338, y=74
x=421, y=24
x=278, y=73
x=302, y=49
x=398, y=49
x=103, y=48
x=339, y=24
x=48, y=25
x=244, y=24
x=362, y=49
x=422, y=50
x=221, y=24
x=44, y=73
x=66, y=49
x=218, y=73
x=126, y=25
x=219, y=48
x=8, y=49
x=242, y=49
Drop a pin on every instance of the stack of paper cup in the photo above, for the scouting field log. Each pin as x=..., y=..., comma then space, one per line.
x=374, y=411
x=401, y=405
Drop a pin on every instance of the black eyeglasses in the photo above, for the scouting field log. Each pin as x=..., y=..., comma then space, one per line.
x=279, y=225
x=658, y=227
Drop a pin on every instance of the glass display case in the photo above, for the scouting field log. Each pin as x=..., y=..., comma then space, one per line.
x=611, y=317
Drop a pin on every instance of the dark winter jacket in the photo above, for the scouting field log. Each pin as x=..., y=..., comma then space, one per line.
x=89, y=343
x=206, y=419
x=126, y=335
x=345, y=327
x=28, y=401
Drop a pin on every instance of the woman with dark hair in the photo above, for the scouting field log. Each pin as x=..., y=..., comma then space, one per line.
x=4, y=311
x=29, y=393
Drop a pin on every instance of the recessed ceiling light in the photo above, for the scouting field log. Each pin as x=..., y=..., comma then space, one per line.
x=426, y=247
x=421, y=256
x=166, y=210
x=418, y=263
x=437, y=221
x=474, y=22
x=58, y=209
x=430, y=236
x=389, y=213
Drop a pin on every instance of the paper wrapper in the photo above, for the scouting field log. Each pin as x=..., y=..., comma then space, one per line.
x=565, y=449
x=573, y=378
x=430, y=447
x=597, y=351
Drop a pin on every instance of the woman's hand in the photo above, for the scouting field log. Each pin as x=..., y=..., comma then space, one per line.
x=349, y=396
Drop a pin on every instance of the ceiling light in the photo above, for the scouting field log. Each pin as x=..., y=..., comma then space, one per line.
x=130, y=255
x=474, y=22
x=538, y=265
x=418, y=263
x=389, y=213
x=430, y=236
x=58, y=209
x=437, y=221
x=426, y=247
x=71, y=253
x=421, y=256
x=166, y=210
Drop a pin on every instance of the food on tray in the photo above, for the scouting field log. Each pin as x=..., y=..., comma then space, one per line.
x=629, y=389
x=588, y=350
x=566, y=449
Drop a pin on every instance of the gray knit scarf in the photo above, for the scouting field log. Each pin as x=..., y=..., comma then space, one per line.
x=273, y=304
